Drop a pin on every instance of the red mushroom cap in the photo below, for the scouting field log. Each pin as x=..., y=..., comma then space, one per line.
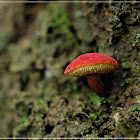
x=90, y=63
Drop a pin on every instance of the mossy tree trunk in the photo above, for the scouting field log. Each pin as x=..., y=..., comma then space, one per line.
x=38, y=41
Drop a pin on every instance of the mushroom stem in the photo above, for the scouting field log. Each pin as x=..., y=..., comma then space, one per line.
x=96, y=85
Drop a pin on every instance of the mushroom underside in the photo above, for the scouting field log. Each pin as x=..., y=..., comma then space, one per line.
x=91, y=69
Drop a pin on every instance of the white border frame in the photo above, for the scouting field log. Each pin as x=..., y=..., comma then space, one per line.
x=69, y=1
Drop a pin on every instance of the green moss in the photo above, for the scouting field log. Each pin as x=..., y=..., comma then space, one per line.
x=138, y=97
x=127, y=129
x=119, y=25
x=41, y=115
x=95, y=115
x=126, y=71
x=106, y=136
x=61, y=21
x=94, y=98
x=24, y=121
x=127, y=80
x=99, y=50
x=59, y=15
x=138, y=37
x=124, y=74
x=97, y=100
x=43, y=104
x=135, y=107
x=125, y=66
x=122, y=84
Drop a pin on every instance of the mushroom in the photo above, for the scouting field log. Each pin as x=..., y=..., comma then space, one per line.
x=92, y=65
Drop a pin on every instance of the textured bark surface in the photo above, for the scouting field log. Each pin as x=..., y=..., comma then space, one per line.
x=38, y=41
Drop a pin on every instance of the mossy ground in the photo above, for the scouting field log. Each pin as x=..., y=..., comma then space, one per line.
x=36, y=45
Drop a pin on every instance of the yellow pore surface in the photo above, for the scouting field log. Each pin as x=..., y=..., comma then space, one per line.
x=99, y=68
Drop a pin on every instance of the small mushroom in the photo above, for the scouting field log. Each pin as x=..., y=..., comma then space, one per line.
x=92, y=65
